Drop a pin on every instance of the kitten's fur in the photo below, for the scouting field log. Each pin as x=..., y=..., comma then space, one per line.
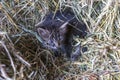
x=57, y=30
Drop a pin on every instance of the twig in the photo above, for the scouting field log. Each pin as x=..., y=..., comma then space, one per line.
x=11, y=60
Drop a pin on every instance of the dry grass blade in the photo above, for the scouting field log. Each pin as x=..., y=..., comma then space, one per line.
x=3, y=74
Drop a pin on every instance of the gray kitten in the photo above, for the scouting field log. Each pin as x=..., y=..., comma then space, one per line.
x=57, y=31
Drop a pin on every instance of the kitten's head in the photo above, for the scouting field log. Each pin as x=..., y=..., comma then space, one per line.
x=53, y=38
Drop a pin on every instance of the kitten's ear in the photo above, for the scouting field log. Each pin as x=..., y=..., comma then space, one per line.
x=43, y=33
x=63, y=28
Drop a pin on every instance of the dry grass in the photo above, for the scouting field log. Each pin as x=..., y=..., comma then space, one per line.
x=22, y=58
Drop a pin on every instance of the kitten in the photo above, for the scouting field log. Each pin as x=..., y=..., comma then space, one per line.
x=57, y=30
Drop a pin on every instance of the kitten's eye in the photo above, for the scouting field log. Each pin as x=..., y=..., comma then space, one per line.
x=58, y=35
x=47, y=43
x=58, y=43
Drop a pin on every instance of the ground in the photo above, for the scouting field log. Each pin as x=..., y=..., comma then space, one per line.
x=23, y=58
